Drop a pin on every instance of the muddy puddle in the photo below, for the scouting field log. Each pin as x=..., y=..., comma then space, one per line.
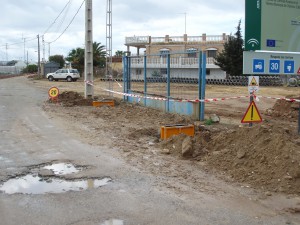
x=113, y=222
x=52, y=182
x=62, y=168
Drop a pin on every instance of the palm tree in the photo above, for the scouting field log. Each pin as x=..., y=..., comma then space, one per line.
x=99, y=55
x=119, y=53
x=76, y=56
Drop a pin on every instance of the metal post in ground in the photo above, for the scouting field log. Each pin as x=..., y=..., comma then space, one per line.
x=299, y=120
x=203, y=84
x=199, y=81
x=125, y=61
x=145, y=79
x=168, y=83
x=251, y=100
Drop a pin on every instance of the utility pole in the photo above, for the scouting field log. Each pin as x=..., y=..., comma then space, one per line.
x=43, y=41
x=109, y=73
x=88, y=53
x=49, y=50
x=6, y=53
x=39, y=62
x=24, y=46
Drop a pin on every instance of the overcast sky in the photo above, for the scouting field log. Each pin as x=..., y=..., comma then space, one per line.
x=21, y=19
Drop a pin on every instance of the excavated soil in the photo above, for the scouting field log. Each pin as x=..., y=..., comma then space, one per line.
x=265, y=156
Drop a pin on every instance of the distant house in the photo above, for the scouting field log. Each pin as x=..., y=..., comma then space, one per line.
x=184, y=53
x=12, y=67
x=49, y=67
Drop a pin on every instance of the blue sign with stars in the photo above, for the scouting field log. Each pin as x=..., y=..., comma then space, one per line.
x=289, y=66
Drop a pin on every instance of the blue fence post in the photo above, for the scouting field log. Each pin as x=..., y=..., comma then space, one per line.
x=168, y=83
x=128, y=74
x=199, y=81
x=125, y=75
x=203, y=85
x=145, y=79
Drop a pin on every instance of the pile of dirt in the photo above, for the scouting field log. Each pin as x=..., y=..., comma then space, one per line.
x=286, y=109
x=71, y=98
x=263, y=156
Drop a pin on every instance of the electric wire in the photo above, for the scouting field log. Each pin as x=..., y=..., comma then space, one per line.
x=69, y=23
x=61, y=22
x=18, y=43
x=57, y=17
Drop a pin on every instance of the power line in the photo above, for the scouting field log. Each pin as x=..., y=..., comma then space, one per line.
x=18, y=43
x=57, y=17
x=69, y=23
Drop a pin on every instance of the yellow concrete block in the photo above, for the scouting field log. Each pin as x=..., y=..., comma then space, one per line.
x=176, y=129
x=102, y=103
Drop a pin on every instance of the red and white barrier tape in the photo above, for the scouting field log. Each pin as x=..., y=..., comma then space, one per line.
x=196, y=100
x=200, y=100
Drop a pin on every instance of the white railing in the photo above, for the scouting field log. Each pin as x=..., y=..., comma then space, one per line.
x=174, y=39
x=174, y=62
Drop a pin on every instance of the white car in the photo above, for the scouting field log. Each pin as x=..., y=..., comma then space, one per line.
x=64, y=74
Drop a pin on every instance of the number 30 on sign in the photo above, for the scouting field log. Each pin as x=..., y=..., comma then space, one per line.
x=53, y=92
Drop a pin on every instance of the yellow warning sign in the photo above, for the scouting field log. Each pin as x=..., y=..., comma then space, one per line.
x=253, y=82
x=252, y=114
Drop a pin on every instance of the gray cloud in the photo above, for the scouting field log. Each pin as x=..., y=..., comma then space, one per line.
x=131, y=17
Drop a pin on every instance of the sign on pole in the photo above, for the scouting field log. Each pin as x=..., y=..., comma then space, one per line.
x=273, y=63
x=252, y=114
x=53, y=92
x=253, y=84
x=272, y=25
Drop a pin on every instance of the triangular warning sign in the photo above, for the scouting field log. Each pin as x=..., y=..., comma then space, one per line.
x=298, y=71
x=252, y=115
x=253, y=82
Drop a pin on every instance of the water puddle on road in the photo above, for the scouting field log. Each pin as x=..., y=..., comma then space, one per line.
x=113, y=222
x=35, y=184
x=62, y=168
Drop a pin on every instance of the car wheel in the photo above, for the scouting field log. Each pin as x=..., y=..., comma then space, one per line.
x=69, y=79
x=50, y=78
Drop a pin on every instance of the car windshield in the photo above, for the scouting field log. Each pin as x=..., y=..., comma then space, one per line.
x=74, y=71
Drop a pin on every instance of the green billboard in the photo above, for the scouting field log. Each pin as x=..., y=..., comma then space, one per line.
x=272, y=25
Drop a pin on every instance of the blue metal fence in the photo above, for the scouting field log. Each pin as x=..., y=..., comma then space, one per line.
x=152, y=80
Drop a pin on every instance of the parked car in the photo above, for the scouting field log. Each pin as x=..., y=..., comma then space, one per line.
x=64, y=74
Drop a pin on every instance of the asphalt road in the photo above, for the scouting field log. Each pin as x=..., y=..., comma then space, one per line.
x=30, y=139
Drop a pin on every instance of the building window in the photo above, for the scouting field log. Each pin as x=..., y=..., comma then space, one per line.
x=164, y=52
x=138, y=72
x=211, y=52
x=163, y=71
x=207, y=71
x=192, y=53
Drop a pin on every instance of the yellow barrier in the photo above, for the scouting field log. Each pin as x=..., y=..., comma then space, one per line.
x=170, y=130
x=99, y=103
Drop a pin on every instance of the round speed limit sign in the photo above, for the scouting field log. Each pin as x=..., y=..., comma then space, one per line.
x=53, y=92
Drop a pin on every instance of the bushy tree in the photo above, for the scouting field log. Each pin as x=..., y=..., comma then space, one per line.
x=30, y=69
x=231, y=58
x=58, y=59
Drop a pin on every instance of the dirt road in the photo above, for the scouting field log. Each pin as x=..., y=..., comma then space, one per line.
x=235, y=175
